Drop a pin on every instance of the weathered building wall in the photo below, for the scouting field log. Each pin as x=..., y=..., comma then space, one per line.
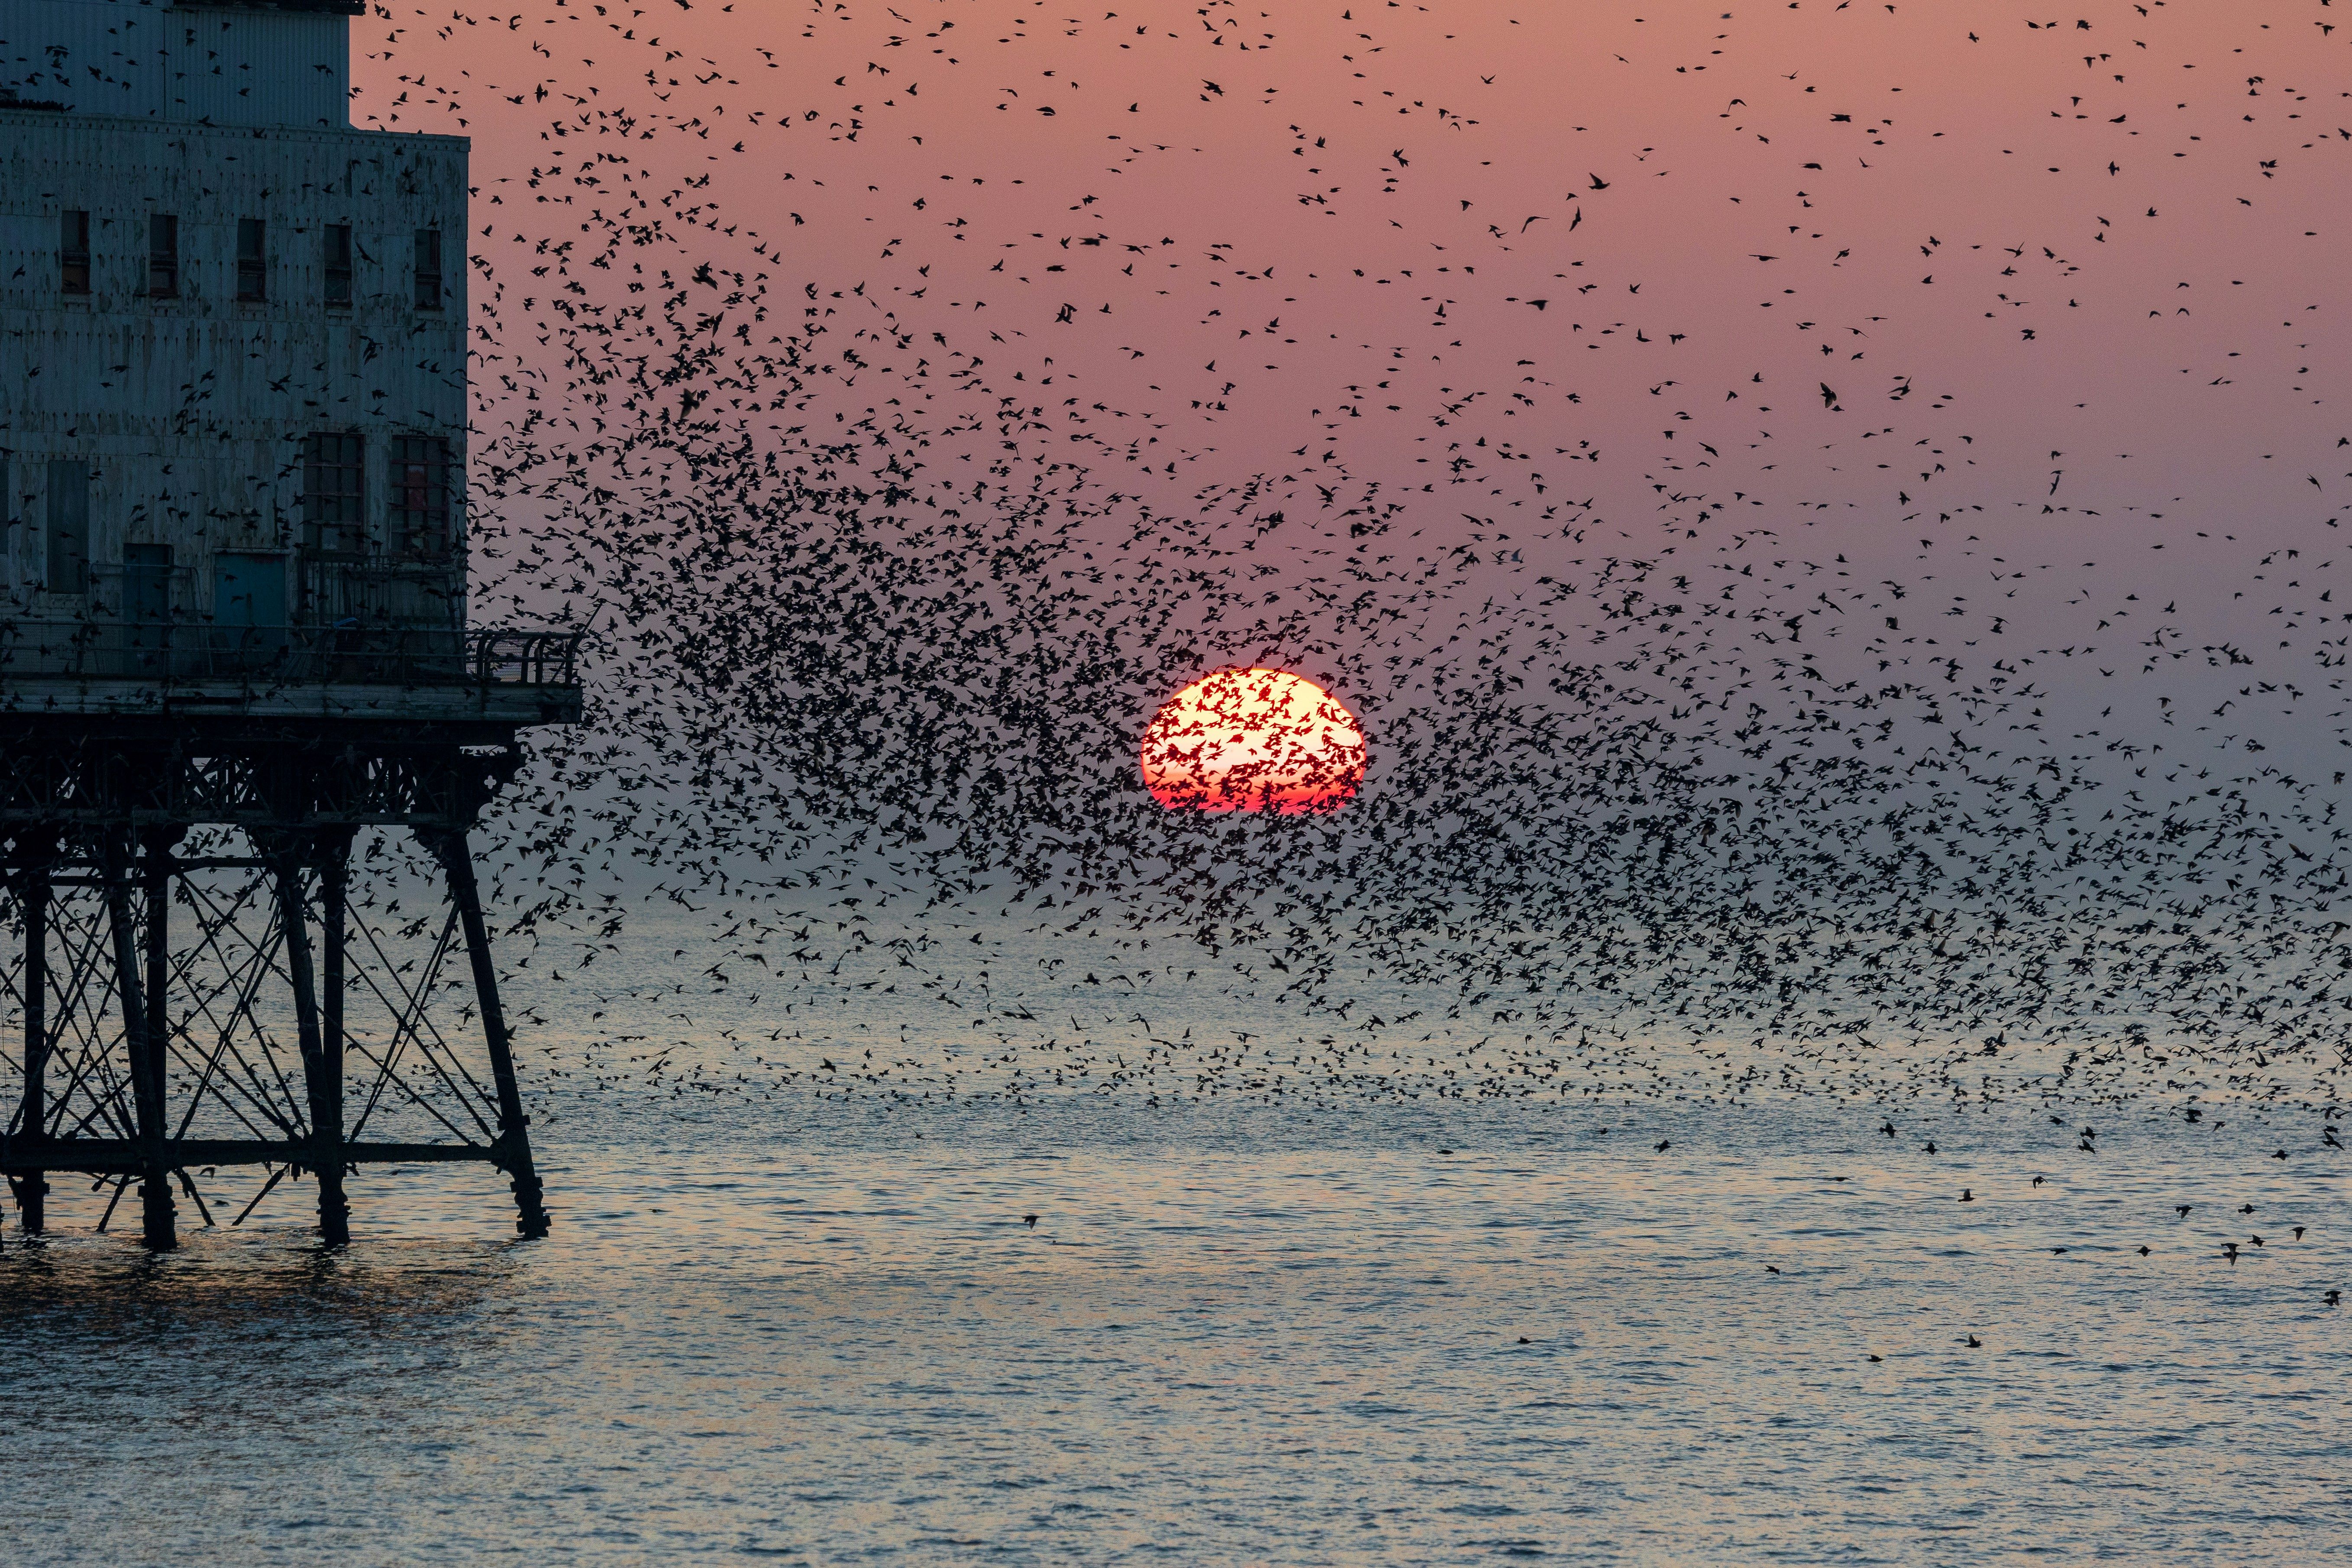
x=268, y=62
x=190, y=411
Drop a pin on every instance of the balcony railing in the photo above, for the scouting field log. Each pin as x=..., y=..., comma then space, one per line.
x=183, y=654
x=509, y=657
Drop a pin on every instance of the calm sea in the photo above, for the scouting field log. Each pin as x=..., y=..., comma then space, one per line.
x=780, y=1323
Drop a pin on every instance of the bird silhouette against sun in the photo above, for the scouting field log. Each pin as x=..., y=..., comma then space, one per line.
x=1253, y=740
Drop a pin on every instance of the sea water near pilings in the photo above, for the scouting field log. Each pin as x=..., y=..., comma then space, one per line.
x=797, y=1323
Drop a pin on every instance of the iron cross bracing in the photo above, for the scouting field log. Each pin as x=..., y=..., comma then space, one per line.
x=196, y=982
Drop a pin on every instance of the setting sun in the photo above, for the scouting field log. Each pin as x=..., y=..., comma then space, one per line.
x=1253, y=740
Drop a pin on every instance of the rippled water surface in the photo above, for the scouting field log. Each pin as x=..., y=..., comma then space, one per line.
x=1235, y=1333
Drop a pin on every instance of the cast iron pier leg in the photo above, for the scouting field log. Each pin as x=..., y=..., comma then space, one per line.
x=157, y=867
x=514, y=1136
x=158, y=1223
x=33, y=1186
x=334, y=890
x=322, y=1079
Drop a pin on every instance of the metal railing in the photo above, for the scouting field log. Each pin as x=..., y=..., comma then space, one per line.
x=33, y=649
x=506, y=656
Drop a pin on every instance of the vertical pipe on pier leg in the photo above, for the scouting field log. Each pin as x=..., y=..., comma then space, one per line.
x=458, y=861
x=156, y=866
x=32, y=1125
x=325, y=1083
x=334, y=891
x=158, y=1224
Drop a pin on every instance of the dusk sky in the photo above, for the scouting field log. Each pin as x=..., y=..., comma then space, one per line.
x=1579, y=278
x=1221, y=782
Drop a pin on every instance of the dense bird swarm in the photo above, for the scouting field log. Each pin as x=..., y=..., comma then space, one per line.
x=1684, y=744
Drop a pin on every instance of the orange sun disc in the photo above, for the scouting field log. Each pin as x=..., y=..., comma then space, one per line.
x=1253, y=740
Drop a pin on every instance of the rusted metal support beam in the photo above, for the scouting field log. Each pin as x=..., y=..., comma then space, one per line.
x=32, y=1184
x=514, y=1127
x=158, y=1222
x=335, y=894
x=156, y=867
x=324, y=1083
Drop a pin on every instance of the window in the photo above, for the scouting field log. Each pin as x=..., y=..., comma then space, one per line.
x=428, y=268
x=334, y=492
x=338, y=264
x=69, y=526
x=162, y=255
x=419, y=498
x=73, y=252
x=252, y=260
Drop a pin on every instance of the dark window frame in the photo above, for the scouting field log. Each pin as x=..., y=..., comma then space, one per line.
x=419, y=512
x=162, y=255
x=334, y=494
x=252, y=261
x=337, y=253
x=429, y=293
x=73, y=252
x=66, y=526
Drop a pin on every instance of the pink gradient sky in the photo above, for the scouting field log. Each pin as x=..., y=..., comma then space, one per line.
x=1217, y=240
